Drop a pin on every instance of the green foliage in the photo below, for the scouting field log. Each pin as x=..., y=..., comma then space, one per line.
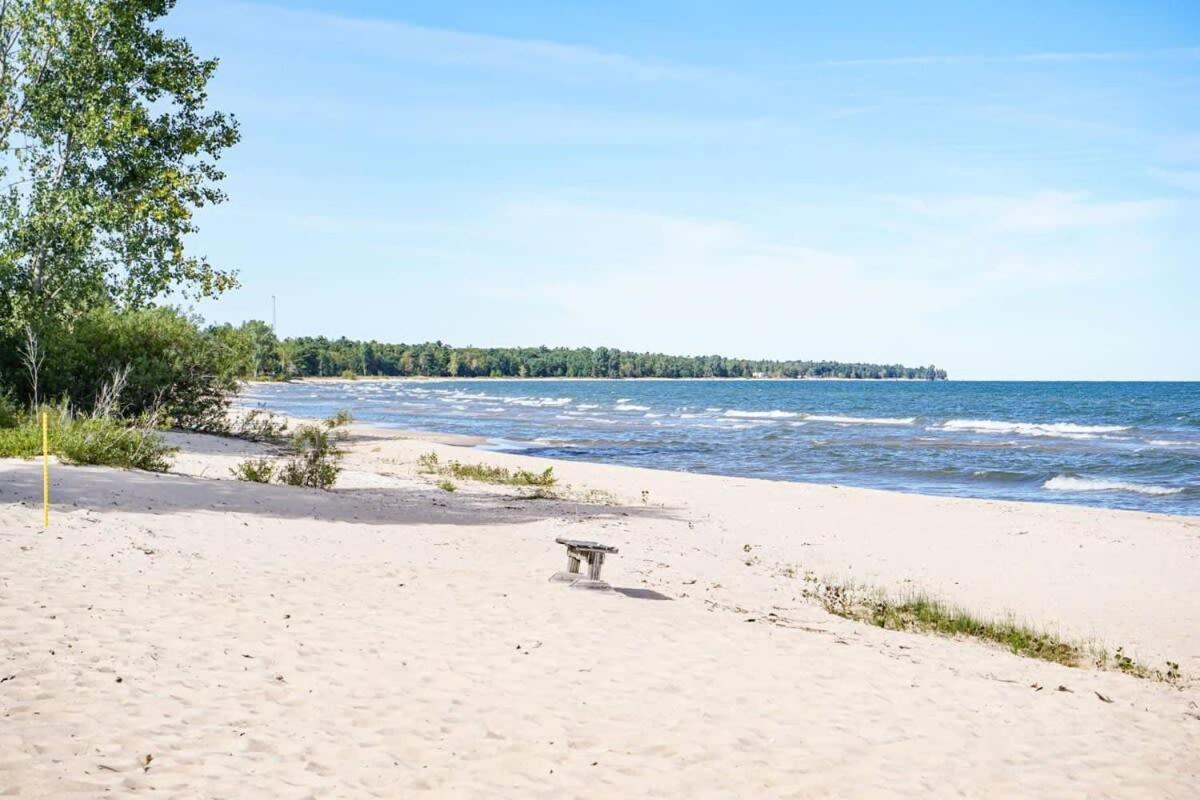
x=106, y=150
x=429, y=464
x=9, y=411
x=258, y=425
x=317, y=462
x=920, y=613
x=172, y=363
x=321, y=357
x=348, y=374
x=340, y=419
x=84, y=439
x=255, y=470
x=447, y=486
x=1122, y=662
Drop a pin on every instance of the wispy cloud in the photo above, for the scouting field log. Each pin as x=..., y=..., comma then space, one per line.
x=1039, y=212
x=1067, y=57
x=407, y=42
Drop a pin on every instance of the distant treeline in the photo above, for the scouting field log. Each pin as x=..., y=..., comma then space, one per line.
x=308, y=356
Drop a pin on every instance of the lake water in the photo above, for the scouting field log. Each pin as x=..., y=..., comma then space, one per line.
x=1121, y=445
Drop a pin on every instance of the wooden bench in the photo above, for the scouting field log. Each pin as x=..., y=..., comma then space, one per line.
x=579, y=551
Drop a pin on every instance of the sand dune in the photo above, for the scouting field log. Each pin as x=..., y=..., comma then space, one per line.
x=390, y=640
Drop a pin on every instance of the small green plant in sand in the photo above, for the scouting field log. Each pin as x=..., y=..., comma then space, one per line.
x=447, y=486
x=1121, y=662
x=340, y=419
x=317, y=460
x=255, y=470
x=430, y=464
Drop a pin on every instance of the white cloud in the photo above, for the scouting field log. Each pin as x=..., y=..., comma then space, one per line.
x=1064, y=57
x=406, y=42
x=1037, y=212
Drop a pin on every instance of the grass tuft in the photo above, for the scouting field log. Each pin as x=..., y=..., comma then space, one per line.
x=430, y=464
x=88, y=439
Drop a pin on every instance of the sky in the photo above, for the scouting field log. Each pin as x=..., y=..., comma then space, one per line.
x=1006, y=190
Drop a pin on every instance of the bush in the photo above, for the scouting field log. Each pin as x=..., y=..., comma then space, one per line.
x=447, y=486
x=258, y=426
x=9, y=411
x=172, y=363
x=255, y=470
x=348, y=374
x=340, y=419
x=317, y=461
x=83, y=439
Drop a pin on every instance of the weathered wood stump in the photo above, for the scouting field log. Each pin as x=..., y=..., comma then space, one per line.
x=579, y=551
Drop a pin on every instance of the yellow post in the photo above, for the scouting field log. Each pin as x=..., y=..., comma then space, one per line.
x=45, y=469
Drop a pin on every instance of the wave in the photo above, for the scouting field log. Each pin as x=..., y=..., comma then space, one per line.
x=1066, y=430
x=1072, y=483
x=630, y=407
x=860, y=420
x=1171, y=443
x=539, y=402
x=776, y=414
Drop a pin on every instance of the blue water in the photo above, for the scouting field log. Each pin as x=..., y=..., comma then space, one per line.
x=1121, y=445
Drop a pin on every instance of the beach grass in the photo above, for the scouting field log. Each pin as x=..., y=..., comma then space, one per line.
x=430, y=464
x=922, y=613
x=87, y=439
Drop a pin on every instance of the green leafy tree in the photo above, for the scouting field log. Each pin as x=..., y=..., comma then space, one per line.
x=106, y=150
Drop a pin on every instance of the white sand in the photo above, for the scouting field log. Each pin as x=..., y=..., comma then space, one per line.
x=388, y=639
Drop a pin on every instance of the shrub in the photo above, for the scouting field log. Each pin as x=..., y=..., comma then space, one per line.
x=83, y=439
x=317, y=461
x=255, y=470
x=9, y=411
x=447, y=486
x=110, y=441
x=348, y=374
x=257, y=425
x=173, y=363
x=428, y=464
x=340, y=419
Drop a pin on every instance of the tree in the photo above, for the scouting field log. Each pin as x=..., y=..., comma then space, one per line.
x=106, y=150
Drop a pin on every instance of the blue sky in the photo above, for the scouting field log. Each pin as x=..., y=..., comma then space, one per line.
x=1008, y=192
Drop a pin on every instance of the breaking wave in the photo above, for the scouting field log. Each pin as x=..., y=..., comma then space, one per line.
x=1072, y=483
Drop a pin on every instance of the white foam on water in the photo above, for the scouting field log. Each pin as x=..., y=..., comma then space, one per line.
x=1172, y=443
x=630, y=407
x=586, y=406
x=1071, y=483
x=860, y=420
x=1065, y=430
x=773, y=414
x=539, y=402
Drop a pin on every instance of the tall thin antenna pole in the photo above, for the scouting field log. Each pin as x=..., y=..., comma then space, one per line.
x=272, y=313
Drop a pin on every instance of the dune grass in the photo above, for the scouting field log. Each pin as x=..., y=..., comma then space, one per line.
x=87, y=439
x=921, y=613
x=430, y=464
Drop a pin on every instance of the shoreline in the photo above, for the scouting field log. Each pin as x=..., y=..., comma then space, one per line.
x=389, y=637
x=931, y=520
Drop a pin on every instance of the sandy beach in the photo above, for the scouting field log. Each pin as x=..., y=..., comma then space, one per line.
x=187, y=635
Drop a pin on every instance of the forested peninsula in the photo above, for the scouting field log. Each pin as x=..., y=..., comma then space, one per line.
x=317, y=356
